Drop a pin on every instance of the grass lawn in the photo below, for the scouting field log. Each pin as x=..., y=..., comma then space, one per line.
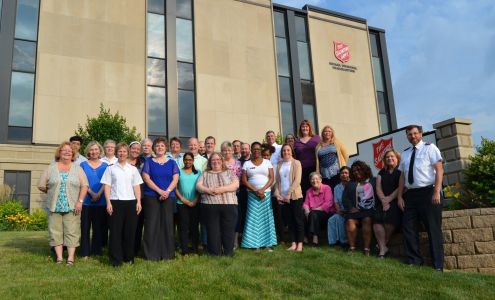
x=28, y=271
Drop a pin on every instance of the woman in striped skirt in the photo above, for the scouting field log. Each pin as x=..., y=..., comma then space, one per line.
x=257, y=176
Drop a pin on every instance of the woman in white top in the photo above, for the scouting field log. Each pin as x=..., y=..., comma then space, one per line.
x=257, y=176
x=109, y=149
x=123, y=196
x=289, y=194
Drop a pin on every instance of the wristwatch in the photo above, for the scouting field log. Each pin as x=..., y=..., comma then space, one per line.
x=81, y=200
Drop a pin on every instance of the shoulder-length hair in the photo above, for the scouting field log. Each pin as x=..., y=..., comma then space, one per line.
x=384, y=159
x=224, y=166
x=59, y=148
x=91, y=144
x=305, y=122
x=332, y=140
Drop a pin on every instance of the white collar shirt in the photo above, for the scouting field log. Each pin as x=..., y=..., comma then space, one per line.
x=110, y=162
x=423, y=170
x=275, y=158
x=122, y=179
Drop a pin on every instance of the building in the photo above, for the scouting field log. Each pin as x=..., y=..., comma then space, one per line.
x=227, y=68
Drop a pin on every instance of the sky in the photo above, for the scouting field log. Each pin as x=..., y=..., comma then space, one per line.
x=441, y=55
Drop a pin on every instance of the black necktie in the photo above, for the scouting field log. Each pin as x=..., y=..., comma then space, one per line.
x=410, y=177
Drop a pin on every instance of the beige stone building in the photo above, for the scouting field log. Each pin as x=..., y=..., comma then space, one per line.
x=227, y=68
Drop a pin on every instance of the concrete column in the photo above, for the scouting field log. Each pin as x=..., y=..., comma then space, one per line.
x=456, y=145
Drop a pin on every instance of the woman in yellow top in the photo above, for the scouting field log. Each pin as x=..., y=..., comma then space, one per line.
x=331, y=155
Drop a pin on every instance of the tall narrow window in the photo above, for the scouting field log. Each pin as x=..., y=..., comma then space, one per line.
x=284, y=74
x=20, y=183
x=381, y=93
x=155, y=66
x=185, y=69
x=20, y=120
x=296, y=87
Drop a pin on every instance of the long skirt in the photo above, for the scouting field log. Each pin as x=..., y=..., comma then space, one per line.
x=259, y=229
x=336, y=230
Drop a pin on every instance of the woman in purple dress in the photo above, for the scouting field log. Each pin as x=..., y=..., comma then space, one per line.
x=305, y=149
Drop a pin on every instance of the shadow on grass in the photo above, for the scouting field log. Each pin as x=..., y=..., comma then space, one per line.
x=30, y=243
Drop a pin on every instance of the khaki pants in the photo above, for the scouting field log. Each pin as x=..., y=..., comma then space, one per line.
x=64, y=229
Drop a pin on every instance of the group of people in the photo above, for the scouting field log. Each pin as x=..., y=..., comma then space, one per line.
x=246, y=195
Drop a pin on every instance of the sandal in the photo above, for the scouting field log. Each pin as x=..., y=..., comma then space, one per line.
x=366, y=251
x=70, y=263
x=59, y=261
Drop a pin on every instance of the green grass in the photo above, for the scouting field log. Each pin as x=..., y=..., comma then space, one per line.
x=28, y=271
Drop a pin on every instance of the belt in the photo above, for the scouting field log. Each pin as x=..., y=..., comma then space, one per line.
x=422, y=188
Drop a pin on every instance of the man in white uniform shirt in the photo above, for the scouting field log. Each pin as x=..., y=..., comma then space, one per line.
x=421, y=173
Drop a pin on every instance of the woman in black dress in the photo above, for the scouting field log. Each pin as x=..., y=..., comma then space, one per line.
x=388, y=216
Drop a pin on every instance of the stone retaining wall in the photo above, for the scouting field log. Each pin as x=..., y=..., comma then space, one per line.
x=469, y=240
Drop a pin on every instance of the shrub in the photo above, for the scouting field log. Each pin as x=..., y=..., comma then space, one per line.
x=10, y=211
x=106, y=126
x=480, y=174
x=39, y=220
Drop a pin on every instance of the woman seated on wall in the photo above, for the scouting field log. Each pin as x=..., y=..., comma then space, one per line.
x=336, y=224
x=359, y=203
x=388, y=215
x=66, y=186
x=318, y=206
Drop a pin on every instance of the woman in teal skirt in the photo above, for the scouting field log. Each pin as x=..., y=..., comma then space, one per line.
x=257, y=176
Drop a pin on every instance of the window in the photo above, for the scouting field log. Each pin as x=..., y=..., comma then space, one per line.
x=296, y=88
x=20, y=115
x=381, y=93
x=156, y=78
x=20, y=182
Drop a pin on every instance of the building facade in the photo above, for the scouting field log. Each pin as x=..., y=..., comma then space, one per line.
x=227, y=68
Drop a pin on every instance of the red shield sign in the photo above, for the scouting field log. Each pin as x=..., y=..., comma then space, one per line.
x=379, y=150
x=341, y=51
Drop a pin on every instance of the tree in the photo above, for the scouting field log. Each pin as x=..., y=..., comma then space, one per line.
x=106, y=126
x=480, y=174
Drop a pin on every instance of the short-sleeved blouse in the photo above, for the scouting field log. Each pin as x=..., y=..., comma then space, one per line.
x=305, y=152
x=235, y=168
x=161, y=175
x=213, y=179
x=258, y=176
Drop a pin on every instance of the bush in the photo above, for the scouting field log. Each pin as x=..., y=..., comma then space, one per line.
x=10, y=213
x=480, y=174
x=106, y=126
x=14, y=217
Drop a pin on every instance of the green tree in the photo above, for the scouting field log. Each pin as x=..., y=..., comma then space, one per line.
x=480, y=174
x=106, y=126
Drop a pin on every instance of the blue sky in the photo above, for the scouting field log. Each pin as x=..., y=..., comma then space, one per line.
x=441, y=54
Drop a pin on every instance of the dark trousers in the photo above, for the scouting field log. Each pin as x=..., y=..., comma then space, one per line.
x=295, y=217
x=419, y=208
x=278, y=218
x=241, y=209
x=159, y=242
x=92, y=218
x=122, y=224
x=315, y=221
x=305, y=184
x=332, y=182
x=139, y=233
x=188, y=227
x=220, y=220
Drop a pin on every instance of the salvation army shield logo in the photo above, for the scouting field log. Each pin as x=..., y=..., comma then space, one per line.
x=379, y=150
x=341, y=51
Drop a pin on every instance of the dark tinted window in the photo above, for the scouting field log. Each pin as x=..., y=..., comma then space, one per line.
x=279, y=19
x=287, y=117
x=184, y=9
x=187, y=114
x=24, y=56
x=304, y=64
x=374, y=44
x=282, y=57
x=21, y=99
x=156, y=110
x=285, y=89
x=156, y=35
x=156, y=72
x=186, y=76
x=301, y=35
x=20, y=182
x=184, y=40
x=26, y=24
x=156, y=6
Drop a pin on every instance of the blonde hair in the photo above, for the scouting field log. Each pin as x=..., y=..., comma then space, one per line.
x=384, y=158
x=91, y=144
x=332, y=140
x=59, y=148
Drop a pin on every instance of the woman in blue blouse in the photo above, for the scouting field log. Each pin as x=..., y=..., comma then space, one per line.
x=93, y=214
x=161, y=176
x=187, y=200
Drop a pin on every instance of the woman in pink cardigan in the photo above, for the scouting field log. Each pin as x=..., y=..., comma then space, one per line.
x=318, y=206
